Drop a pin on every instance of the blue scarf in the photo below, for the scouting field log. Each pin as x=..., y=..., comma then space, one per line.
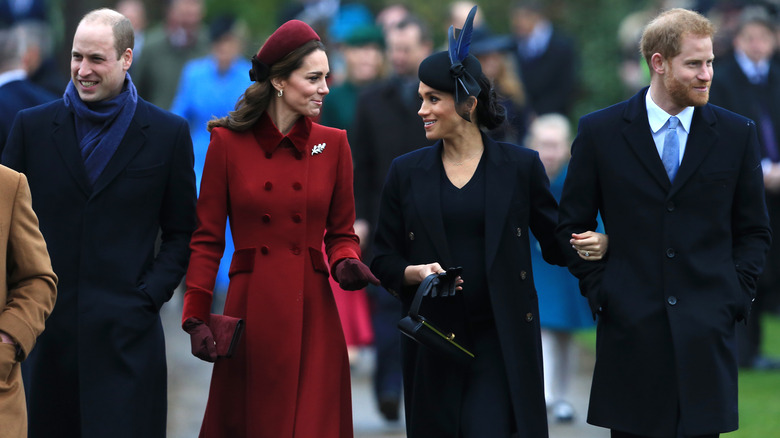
x=101, y=126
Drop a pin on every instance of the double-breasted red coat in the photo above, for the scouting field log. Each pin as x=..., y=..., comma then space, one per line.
x=281, y=193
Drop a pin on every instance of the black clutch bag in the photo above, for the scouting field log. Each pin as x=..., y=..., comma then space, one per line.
x=424, y=331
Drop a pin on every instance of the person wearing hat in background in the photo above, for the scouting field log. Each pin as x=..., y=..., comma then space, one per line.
x=470, y=201
x=223, y=74
x=283, y=182
x=498, y=65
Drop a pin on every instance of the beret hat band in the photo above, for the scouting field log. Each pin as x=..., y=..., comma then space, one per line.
x=285, y=39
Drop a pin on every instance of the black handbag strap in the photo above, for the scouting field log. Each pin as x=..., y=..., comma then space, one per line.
x=425, y=287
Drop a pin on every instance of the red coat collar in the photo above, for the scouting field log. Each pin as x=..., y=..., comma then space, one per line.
x=269, y=137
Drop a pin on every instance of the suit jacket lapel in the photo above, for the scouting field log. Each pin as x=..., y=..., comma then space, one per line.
x=426, y=192
x=640, y=138
x=135, y=137
x=700, y=141
x=499, y=187
x=66, y=142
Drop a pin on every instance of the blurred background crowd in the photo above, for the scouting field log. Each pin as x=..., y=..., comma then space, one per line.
x=562, y=58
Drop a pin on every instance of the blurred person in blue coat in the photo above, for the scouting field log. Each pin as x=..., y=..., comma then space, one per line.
x=561, y=307
x=17, y=92
x=223, y=74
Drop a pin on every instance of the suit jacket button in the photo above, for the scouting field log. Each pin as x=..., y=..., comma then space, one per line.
x=519, y=232
x=523, y=275
x=411, y=235
x=672, y=300
x=529, y=316
x=670, y=253
x=670, y=206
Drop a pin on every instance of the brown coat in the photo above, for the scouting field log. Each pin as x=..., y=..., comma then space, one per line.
x=27, y=293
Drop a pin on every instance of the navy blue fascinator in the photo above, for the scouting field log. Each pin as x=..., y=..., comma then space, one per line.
x=455, y=70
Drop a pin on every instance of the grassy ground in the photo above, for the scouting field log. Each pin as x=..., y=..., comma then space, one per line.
x=759, y=392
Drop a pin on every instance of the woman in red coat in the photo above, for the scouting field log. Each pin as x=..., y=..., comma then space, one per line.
x=283, y=182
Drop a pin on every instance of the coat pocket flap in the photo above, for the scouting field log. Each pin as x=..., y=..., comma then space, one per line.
x=243, y=261
x=318, y=261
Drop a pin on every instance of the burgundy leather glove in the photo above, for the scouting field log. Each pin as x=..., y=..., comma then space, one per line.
x=352, y=274
x=201, y=339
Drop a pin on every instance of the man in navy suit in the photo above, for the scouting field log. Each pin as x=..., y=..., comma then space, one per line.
x=679, y=186
x=108, y=173
x=16, y=91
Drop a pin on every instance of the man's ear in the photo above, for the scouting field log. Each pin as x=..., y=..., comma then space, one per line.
x=658, y=63
x=127, y=58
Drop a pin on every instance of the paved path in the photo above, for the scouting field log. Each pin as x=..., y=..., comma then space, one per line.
x=188, y=381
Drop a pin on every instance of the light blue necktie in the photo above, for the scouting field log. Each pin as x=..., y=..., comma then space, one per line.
x=671, y=153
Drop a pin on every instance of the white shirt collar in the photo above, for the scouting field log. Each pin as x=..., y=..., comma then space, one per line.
x=755, y=71
x=658, y=117
x=12, y=75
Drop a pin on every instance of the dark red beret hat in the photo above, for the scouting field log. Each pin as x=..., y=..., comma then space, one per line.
x=288, y=37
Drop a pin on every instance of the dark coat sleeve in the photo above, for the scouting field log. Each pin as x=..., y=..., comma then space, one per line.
x=578, y=212
x=388, y=264
x=177, y=222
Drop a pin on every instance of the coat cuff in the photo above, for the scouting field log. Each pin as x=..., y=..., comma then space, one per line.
x=19, y=331
x=197, y=304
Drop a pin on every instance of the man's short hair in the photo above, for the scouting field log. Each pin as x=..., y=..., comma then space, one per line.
x=124, y=36
x=665, y=33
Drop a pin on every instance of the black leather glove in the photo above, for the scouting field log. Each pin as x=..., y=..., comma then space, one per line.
x=201, y=339
x=445, y=284
x=352, y=274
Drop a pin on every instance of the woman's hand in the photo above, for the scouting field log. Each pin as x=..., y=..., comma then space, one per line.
x=415, y=274
x=590, y=245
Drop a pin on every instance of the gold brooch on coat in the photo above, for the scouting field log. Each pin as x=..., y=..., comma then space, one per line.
x=318, y=148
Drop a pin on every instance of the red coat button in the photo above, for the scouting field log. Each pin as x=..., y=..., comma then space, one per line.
x=264, y=250
x=269, y=155
x=297, y=186
x=266, y=218
x=268, y=185
x=296, y=218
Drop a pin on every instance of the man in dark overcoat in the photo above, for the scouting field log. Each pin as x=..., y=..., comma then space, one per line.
x=108, y=173
x=679, y=186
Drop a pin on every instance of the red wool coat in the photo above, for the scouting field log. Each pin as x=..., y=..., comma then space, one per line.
x=290, y=374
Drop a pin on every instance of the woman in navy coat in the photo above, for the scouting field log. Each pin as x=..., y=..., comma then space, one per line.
x=469, y=201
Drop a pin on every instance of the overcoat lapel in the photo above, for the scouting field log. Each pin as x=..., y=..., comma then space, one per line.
x=427, y=201
x=639, y=137
x=700, y=141
x=66, y=142
x=135, y=137
x=499, y=188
